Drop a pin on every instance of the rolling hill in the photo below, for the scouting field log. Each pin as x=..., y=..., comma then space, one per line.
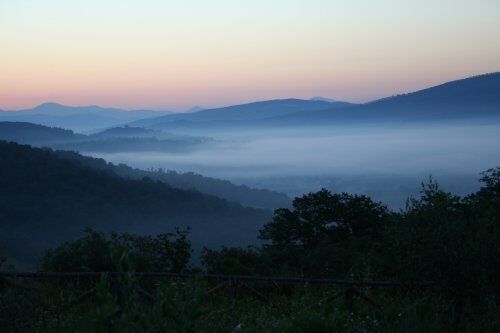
x=112, y=140
x=46, y=199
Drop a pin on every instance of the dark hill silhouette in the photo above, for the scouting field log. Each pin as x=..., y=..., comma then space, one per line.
x=43, y=136
x=46, y=199
x=259, y=198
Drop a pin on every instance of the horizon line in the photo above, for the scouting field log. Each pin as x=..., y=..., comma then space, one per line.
x=248, y=102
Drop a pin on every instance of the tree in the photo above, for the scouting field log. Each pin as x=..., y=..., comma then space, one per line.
x=166, y=252
x=451, y=241
x=321, y=215
x=312, y=238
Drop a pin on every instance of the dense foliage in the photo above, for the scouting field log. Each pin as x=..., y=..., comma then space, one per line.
x=440, y=237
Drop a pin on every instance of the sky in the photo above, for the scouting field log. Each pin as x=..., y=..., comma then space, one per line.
x=172, y=55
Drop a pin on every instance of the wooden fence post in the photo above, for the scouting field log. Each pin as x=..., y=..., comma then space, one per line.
x=349, y=297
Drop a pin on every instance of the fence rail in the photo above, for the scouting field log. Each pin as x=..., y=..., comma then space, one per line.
x=350, y=289
x=221, y=277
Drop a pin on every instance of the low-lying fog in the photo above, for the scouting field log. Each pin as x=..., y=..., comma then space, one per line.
x=386, y=162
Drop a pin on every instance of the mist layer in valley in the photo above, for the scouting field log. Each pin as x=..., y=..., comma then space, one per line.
x=387, y=162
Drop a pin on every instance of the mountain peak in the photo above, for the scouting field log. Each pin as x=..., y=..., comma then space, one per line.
x=195, y=108
x=49, y=105
x=323, y=99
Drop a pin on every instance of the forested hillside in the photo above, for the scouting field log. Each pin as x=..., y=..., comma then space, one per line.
x=45, y=199
x=259, y=198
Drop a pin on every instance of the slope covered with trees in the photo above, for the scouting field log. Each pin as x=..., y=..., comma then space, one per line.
x=259, y=198
x=46, y=199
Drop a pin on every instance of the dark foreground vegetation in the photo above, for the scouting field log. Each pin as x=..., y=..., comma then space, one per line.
x=449, y=245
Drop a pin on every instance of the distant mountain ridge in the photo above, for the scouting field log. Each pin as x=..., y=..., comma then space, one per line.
x=475, y=97
x=78, y=118
x=56, y=109
x=242, y=112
